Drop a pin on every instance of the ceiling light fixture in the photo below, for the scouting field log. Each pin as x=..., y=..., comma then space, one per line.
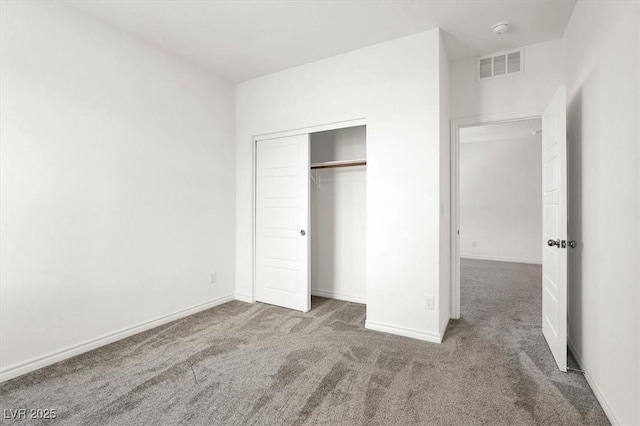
x=500, y=27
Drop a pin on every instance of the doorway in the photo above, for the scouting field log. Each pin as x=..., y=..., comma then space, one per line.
x=478, y=133
x=500, y=222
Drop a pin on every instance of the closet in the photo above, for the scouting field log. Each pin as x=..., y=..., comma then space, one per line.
x=338, y=214
x=310, y=211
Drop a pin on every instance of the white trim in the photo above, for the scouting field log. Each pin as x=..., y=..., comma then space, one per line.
x=454, y=219
x=36, y=363
x=312, y=129
x=244, y=298
x=596, y=391
x=502, y=259
x=402, y=331
x=338, y=296
x=456, y=125
x=443, y=329
x=479, y=120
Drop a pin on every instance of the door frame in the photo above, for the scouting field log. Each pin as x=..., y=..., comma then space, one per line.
x=254, y=167
x=456, y=125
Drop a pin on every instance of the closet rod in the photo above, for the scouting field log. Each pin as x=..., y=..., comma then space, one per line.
x=334, y=164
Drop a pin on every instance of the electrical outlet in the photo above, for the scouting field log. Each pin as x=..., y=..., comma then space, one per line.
x=428, y=303
x=474, y=244
x=214, y=277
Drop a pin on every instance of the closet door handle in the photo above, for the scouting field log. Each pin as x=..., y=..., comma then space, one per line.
x=302, y=232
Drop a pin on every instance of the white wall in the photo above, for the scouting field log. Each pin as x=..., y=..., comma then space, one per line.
x=601, y=72
x=338, y=216
x=349, y=143
x=117, y=183
x=501, y=199
x=445, y=191
x=526, y=93
x=395, y=86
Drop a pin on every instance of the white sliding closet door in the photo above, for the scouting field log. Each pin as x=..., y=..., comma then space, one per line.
x=282, y=222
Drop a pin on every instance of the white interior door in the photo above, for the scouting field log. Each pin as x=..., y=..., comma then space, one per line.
x=282, y=221
x=554, y=227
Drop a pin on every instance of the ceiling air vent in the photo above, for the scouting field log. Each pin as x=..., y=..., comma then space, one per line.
x=500, y=64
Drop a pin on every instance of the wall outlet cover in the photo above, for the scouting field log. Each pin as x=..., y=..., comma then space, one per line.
x=214, y=277
x=428, y=303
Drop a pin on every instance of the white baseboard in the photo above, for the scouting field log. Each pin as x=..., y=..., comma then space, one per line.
x=244, y=298
x=501, y=259
x=36, y=363
x=596, y=391
x=339, y=296
x=401, y=331
x=443, y=329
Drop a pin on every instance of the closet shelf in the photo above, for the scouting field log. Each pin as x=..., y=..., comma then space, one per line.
x=334, y=164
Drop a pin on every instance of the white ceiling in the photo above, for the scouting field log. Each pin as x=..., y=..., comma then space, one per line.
x=516, y=130
x=240, y=40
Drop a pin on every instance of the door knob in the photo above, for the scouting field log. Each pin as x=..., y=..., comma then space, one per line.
x=573, y=244
x=552, y=243
x=302, y=232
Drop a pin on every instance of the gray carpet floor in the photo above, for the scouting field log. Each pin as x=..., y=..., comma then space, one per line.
x=257, y=364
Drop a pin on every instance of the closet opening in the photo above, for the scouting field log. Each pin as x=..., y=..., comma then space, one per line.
x=338, y=214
